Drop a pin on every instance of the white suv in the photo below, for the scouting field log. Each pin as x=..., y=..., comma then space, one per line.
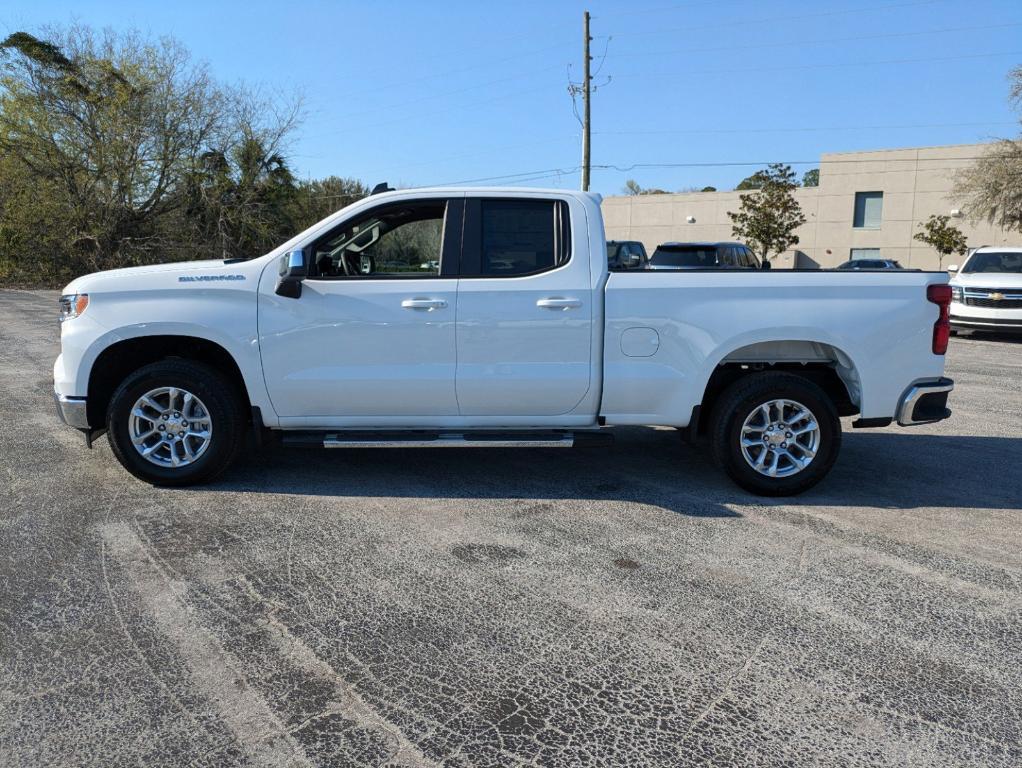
x=986, y=293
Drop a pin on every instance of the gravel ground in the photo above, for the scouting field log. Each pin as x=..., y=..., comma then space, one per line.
x=616, y=606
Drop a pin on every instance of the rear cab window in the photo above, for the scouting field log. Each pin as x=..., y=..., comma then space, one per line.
x=514, y=238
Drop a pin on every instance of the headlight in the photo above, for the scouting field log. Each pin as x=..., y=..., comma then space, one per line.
x=957, y=294
x=72, y=305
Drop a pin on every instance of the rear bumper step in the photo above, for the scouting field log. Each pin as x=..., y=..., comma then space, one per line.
x=925, y=402
x=427, y=439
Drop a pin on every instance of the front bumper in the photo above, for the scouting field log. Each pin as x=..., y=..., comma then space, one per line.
x=998, y=324
x=925, y=402
x=71, y=410
x=986, y=318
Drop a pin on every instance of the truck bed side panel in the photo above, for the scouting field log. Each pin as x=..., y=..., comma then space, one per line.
x=666, y=332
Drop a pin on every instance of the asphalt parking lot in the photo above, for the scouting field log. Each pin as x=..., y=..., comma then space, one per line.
x=614, y=606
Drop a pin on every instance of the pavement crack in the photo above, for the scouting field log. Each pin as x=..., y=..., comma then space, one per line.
x=724, y=692
x=214, y=671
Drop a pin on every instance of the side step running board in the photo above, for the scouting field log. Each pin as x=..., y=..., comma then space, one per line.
x=452, y=441
x=426, y=439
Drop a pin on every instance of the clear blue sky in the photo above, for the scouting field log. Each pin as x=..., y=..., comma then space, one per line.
x=422, y=93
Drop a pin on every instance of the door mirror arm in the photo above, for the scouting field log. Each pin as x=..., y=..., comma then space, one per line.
x=294, y=268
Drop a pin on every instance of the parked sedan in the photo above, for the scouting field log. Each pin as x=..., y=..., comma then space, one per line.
x=871, y=264
x=705, y=256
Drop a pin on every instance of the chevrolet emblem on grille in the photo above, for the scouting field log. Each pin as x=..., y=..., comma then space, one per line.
x=996, y=296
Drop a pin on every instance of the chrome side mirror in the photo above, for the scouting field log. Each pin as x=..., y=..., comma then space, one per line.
x=294, y=268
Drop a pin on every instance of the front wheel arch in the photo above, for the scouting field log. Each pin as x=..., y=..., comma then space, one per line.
x=118, y=361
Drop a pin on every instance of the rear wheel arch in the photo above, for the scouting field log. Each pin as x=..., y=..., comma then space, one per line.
x=824, y=364
x=122, y=358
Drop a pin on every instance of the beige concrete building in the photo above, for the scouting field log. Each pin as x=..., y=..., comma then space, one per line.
x=868, y=205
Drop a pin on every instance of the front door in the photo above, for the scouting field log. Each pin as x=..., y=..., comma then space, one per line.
x=372, y=336
x=525, y=310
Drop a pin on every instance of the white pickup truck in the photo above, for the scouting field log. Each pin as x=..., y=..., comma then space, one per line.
x=488, y=317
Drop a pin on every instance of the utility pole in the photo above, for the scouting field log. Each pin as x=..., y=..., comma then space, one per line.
x=585, y=100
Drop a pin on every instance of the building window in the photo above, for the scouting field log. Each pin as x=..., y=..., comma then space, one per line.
x=869, y=208
x=865, y=253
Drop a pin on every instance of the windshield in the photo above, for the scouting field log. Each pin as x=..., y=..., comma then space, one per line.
x=994, y=262
x=685, y=256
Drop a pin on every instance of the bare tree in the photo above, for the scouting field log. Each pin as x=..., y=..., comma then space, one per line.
x=992, y=186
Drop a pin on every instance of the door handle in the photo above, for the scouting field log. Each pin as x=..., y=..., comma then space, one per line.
x=558, y=303
x=427, y=304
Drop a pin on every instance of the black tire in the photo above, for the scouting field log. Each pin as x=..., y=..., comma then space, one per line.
x=741, y=399
x=215, y=391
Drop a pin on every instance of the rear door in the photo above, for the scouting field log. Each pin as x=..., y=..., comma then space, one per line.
x=525, y=309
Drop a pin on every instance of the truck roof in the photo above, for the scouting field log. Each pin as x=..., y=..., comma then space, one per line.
x=594, y=196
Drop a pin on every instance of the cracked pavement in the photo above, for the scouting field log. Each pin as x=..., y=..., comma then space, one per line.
x=613, y=606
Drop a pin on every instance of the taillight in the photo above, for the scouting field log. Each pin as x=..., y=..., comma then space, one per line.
x=941, y=296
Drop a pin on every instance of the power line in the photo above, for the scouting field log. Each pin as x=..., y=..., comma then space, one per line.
x=801, y=129
x=817, y=41
x=551, y=172
x=405, y=118
x=442, y=94
x=763, y=164
x=488, y=151
x=818, y=65
x=662, y=8
x=517, y=57
x=771, y=19
x=518, y=176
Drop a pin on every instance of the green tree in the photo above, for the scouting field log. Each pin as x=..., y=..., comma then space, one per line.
x=943, y=237
x=750, y=182
x=632, y=188
x=992, y=186
x=767, y=218
x=811, y=178
x=118, y=150
x=708, y=189
x=317, y=199
x=107, y=123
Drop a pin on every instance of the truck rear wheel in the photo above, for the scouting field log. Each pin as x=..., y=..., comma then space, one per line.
x=775, y=433
x=175, y=422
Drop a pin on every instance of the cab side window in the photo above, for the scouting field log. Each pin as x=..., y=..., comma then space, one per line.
x=512, y=238
x=396, y=240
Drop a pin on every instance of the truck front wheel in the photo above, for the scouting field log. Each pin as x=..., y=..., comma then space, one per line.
x=775, y=433
x=175, y=422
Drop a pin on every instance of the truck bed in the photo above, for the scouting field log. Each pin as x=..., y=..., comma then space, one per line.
x=666, y=332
